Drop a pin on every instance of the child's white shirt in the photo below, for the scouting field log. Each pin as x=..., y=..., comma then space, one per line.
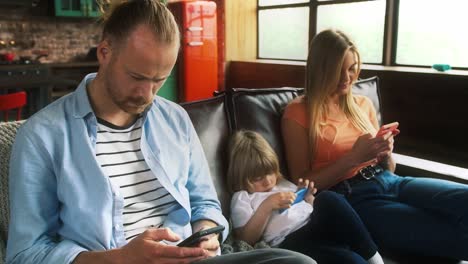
x=244, y=205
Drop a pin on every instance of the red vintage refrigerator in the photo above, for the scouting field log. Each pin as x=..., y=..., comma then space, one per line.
x=198, y=59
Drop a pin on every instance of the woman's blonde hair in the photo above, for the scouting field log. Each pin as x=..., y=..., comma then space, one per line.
x=324, y=63
x=250, y=158
x=121, y=17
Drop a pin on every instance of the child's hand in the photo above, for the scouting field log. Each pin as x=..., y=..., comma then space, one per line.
x=311, y=191
x=280, y=200
x=302, y=184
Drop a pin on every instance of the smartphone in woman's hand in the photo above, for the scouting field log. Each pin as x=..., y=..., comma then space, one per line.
x=391, y=127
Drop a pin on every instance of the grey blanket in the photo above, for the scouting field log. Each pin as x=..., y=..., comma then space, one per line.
x=232, y=245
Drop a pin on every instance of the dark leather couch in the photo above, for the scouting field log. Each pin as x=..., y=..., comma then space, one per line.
x=215, y=119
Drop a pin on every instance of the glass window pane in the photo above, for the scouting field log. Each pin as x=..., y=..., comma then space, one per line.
x=363, y=22
x=280, y=2
x=437, y=35
x=283, y=33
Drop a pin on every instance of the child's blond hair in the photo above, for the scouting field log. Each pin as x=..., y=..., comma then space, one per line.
x=250, y=157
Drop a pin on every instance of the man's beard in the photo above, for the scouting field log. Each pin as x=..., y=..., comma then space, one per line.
x=133, y=105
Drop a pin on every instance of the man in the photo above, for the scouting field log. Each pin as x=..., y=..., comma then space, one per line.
x=113, y=174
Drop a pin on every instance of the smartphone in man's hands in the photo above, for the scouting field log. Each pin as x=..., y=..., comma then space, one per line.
x=391, y=127
x=196, y=237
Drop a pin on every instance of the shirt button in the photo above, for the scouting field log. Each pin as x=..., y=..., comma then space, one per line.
x=117, y=226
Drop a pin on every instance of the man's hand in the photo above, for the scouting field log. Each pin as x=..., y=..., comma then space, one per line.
x=211, y=242
x=146, y=248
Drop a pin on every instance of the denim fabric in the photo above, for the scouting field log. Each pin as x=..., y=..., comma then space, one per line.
x=61, y=203
x=334, y=234
x=414, y=215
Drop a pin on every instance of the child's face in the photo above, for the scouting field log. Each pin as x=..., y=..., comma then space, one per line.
x=265, y=184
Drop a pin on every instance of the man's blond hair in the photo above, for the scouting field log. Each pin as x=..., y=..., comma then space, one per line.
x=121, y=17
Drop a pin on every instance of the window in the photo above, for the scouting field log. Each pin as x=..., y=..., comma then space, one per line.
x=363, y=22
x=436, y=35
x=386, y=32
x=282, y=33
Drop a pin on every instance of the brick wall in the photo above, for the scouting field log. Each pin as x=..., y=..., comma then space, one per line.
x=63, y=39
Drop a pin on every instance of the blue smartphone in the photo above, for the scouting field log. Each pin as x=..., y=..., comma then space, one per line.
x=300, y=194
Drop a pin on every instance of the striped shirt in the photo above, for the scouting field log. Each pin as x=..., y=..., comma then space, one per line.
x=146, y=201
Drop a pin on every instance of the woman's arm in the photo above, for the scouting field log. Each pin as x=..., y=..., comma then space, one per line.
x=296, y=145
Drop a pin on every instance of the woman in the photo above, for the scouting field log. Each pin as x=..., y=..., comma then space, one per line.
x=330, y=138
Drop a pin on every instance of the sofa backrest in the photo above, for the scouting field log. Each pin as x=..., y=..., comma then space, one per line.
x=260, y=110
x=215, y=119
x=7, y=136
x=209, y=117
x=370, y=88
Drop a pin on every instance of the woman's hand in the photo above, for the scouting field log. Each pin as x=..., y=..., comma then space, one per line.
x=311, y=190
x=389, y=139
x=279, y=200
x=368, y=148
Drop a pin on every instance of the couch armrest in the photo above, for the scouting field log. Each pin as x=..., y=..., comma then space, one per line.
x=408, y=165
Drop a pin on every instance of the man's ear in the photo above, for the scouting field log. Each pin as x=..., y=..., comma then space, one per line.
x=103, y=51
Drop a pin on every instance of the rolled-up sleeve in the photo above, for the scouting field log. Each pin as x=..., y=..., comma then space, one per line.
x=203, y=197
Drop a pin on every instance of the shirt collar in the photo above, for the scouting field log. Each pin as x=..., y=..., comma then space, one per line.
x=82, y=106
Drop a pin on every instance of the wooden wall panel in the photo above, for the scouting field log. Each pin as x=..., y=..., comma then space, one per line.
x=264, y=75
x=241, y=29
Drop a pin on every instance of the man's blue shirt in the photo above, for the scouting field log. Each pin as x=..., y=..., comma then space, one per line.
x=61, y=203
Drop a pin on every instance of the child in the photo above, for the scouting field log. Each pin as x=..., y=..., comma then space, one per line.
x=329, y=232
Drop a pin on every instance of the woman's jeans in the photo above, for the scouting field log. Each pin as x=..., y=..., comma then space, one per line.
x=334, y=234
x=414, y=215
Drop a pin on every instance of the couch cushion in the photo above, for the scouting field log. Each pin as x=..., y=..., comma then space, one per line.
x=209, y=118
x=7, y=136
x=260, y=110
x=370, y=88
